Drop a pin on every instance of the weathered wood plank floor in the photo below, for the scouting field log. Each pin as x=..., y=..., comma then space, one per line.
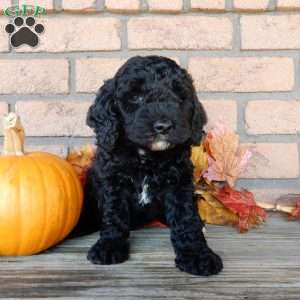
x=263, y=264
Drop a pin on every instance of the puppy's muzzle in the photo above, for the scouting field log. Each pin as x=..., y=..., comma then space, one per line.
x=162, y=127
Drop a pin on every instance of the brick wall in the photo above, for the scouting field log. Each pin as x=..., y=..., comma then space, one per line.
x=242, y=54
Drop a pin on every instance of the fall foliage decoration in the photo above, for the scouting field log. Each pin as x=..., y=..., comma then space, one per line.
x=81, y=160
x=218, y=163
x=214, y=212
x=200, y=160
x=41, y=196
x=227, y=159
x=241, y=203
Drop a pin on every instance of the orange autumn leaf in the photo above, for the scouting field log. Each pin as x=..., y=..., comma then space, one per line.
x=227, y=158
x=243, y=204
x=200, y=161
x=81, y=160
x=214, y=212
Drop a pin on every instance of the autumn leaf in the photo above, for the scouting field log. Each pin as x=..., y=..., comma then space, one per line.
x=214, y=212
x=200, y=161
x=243, y=204
x=227, y=158
x=155, y=224
x=296, y=211
x=81, y=160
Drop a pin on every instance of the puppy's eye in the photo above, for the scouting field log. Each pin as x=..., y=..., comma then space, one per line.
x=137, y=99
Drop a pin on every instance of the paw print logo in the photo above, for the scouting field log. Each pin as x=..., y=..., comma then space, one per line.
x=24, y=31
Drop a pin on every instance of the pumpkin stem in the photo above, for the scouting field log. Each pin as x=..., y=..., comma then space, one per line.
x=14, y=135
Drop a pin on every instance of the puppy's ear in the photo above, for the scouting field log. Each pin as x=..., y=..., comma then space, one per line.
x=198, y=121
x=103, y=119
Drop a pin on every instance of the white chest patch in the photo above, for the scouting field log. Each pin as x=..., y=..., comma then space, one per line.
x=144, y=195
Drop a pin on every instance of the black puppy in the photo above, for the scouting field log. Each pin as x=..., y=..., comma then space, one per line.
x=146, y=118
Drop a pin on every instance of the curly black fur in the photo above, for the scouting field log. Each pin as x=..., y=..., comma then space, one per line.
x=146, y=118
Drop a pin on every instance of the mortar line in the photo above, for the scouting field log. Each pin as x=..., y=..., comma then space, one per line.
x=272, y=183
x=209, y=13
x=83, y=139
x=57, y=140
x=229, y=5
x=144, y=5
x=57, y=5
x=34, y=97
x=272, y=5
x=241, y=124
x=144, y=13
x=236, y=35
x=184, y=60
x=276, y=95
x=100, y=5
x=186, y=6
x=297, y=72
x=230, y=53
x=212, y=96
x=123, y=34
x=270, y=138
x=72, y=76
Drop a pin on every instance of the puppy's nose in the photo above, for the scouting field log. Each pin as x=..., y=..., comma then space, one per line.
x=162, y=126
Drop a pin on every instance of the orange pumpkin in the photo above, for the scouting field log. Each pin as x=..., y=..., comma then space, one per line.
x=40, y=196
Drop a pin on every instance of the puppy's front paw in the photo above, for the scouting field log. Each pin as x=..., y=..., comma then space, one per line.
x=204, y=263
x=107, y=252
